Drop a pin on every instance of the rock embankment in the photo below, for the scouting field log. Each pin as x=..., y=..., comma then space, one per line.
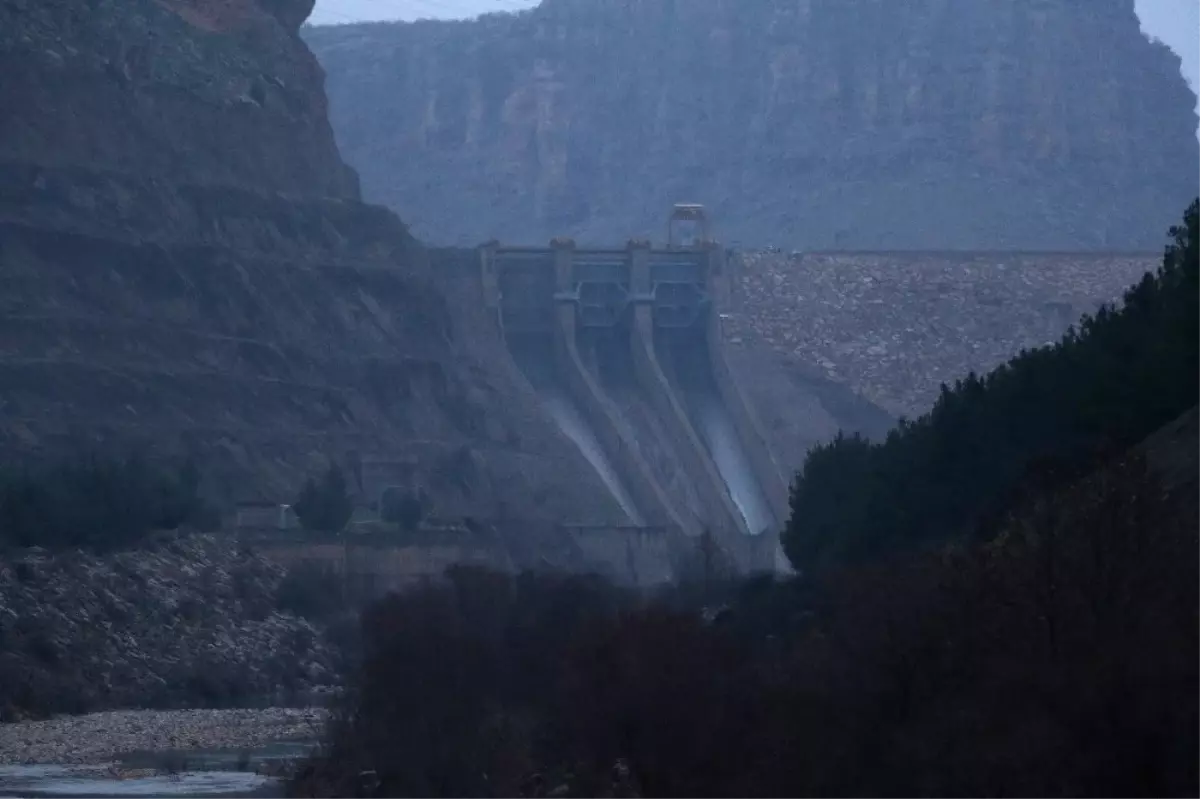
x=187, y=622
x=893, y=327
x=100, y=737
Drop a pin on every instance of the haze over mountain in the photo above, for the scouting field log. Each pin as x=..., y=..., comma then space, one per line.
x=927, y=126
x=1175, y=22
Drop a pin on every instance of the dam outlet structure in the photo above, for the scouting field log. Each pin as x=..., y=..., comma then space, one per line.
x=623, y=347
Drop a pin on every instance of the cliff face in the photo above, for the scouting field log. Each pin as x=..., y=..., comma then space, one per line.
x=218, y=91
x=806, y=123
x=186, y=270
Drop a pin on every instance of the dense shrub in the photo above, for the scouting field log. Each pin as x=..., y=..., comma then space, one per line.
x=326, y=506
x=450, y=672
x=403, y=508
x=1120, y=376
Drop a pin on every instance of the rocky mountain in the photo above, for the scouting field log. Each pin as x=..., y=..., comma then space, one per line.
x=815, y=124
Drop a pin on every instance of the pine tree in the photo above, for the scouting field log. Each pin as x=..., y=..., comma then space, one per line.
x=324, y=507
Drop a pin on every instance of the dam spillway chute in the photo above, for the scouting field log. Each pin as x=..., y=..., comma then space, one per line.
x=683, y=308
x=569, y=419
x=525, y=289
x=719, y=433
x=535, y=356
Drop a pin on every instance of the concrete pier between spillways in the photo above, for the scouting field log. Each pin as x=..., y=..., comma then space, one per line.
x=640, y=297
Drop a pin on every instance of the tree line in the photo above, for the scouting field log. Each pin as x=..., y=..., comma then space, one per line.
x=325, y=505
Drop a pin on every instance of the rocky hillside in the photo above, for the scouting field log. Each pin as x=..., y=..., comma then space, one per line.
x=188, y=621
x=847, y=124
x=894, y=326
x=187, y=270
x=259, y=334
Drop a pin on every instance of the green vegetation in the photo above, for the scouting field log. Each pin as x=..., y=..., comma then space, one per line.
x=324, y=507
x=406, y=509
x=1123, y=374
x=99, y=504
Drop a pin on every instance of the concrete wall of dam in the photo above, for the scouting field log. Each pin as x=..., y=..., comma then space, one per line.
x=623, y=347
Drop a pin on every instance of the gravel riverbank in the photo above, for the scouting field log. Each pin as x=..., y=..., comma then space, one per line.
x=100, y=737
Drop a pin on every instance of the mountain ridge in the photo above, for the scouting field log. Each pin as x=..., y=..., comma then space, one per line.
x=809, y=125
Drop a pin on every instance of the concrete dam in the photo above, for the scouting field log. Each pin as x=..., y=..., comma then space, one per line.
x=623, y=348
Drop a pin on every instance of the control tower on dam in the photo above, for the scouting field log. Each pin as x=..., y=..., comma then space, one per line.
x=623, y=347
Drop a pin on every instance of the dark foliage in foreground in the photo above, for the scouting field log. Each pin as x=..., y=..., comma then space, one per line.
x=1059, y=659
x=99, y=504
x=1123, y=374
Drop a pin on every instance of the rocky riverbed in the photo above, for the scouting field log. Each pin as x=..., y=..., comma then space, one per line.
x=98, y=738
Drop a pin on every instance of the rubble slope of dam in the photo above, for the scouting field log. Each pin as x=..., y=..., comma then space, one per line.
x=893, y=326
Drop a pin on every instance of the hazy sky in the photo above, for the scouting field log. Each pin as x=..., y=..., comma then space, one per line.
x=1176, y=22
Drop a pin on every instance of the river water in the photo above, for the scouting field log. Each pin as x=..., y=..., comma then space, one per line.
x=176, y=774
